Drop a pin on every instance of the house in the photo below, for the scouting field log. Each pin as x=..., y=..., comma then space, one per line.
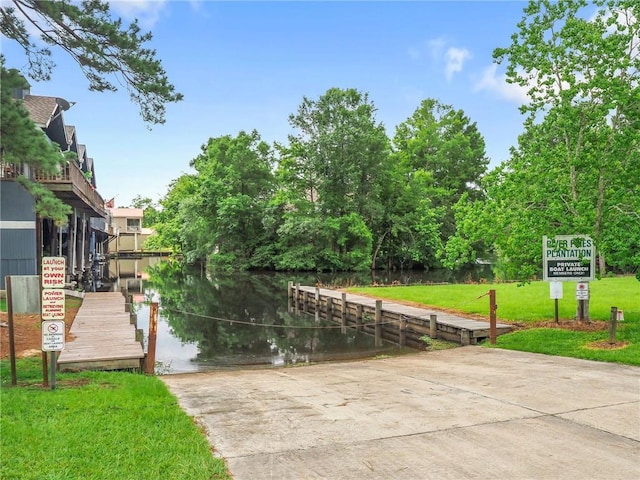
x=24, y=237
x=127, y=233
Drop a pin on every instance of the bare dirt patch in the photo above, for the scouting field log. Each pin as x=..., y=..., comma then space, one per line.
x=28, y=333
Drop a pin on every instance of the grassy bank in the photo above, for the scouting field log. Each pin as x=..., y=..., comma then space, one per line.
x=529, y=304
x=98, y=425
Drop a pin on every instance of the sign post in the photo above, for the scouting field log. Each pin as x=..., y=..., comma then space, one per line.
x=569, y=258
x=53, y=310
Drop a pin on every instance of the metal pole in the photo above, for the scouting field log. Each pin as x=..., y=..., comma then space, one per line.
x=557, y=317
x=12, y=344
x=52, y=363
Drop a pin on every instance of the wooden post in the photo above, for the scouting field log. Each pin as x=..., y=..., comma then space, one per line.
x=557, y=317
x=289, y=295
x=150, y=363
x=433, y=326
x=358, y=318
x=492, y=317
x=612, y=325
x=343, y=313
x=402, y=331
x=296, y=300
x=378, y=326
x=330, y=308
x=12, y=343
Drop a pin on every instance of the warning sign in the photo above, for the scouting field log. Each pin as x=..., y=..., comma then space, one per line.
x=53, y=272
x=52, y=336
x=53, y=304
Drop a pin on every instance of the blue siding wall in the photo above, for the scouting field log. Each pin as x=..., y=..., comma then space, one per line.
x=17, y=231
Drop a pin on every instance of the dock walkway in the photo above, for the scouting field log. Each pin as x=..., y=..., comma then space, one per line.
x=102, y=336
x=449, y=326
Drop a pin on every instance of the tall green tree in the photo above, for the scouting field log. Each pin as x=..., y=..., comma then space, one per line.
x=331, y=175
x=441, y=156
x=23, y=143
x=575, y=168
x=107, y=52
x=582, y=72
x=235, y=184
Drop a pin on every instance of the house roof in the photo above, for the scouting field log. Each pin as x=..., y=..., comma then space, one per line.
x=42, y=109
x=127, y=212
x=70, y=132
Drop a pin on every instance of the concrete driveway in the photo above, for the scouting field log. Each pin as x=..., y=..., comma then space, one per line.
x=469, y=412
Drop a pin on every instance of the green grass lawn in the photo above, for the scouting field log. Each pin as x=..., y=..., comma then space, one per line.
x=98, y=425
x=530, y=303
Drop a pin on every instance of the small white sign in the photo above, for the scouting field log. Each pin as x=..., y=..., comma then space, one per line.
x=52, y=336
x=555, y=290
x=53, y=272
x=53, y=304
x=620, y=316
x=582, y=291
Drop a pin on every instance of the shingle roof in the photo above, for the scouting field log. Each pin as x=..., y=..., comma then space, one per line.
x=40, y=109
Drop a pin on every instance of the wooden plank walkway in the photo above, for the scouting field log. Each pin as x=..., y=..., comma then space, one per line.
x=449, y=326
x=102, y=336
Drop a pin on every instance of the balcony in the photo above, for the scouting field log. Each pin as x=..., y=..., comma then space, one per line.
x=71, y=186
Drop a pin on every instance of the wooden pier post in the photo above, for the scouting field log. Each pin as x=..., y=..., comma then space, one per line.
x=492, y=317
x=150, y=361
x=402, y=331
x=317, y=299
x=358, y=317
x=343, y=313
x=378, y=326
x=433, y=326
x=289, y=296
x=296, y=300
x=330, y=309
x=612, y=325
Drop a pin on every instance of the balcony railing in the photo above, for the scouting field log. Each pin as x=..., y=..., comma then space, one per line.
x=69, y=184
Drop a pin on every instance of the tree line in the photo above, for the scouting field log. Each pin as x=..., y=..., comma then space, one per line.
x=340, y=195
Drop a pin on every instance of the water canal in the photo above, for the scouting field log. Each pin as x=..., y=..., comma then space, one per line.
x=209, y=321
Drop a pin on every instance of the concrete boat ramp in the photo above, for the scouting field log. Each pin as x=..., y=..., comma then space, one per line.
x=468, y=412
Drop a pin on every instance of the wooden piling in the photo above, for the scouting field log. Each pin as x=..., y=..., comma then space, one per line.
x=612, y=325
x=343, y=313
x=150, y=363
x=359, y=309
x=433, y=326
x=378, y=322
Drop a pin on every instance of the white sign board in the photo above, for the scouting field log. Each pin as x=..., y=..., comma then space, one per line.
x=53, y=272
x=52, y=336
x=582, y=291
x=53, y=304
x=555, y=290
x=568, y=258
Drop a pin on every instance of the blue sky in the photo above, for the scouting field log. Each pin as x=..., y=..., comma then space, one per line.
x=247, y=65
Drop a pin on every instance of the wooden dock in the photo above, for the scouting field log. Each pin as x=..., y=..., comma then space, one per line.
x=399, y=323
x=102, y=336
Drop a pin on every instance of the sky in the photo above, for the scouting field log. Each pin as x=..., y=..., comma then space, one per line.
x=248, y=65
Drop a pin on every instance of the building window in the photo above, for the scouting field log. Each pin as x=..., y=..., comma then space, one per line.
x=133, y=225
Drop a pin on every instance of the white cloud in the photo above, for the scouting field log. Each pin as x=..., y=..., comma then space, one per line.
x=455, y=58
x=146, y=11
x=497, y=83
x=436, y=50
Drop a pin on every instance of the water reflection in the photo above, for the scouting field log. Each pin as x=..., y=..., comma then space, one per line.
x=239, y=320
